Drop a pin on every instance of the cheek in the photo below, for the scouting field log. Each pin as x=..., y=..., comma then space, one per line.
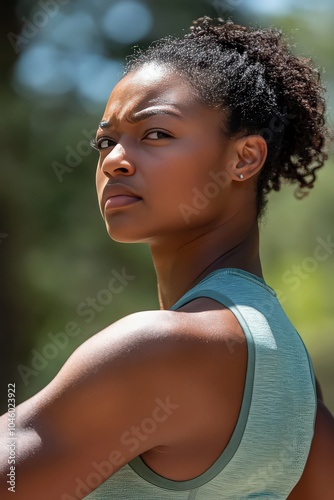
x=100, y=178
x=189, y=188
x=197, y=171
x=100, y=183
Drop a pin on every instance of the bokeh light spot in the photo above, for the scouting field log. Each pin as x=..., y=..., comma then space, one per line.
x=127, y=21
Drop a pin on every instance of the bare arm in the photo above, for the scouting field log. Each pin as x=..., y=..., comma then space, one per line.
x=317, y=481
x=88, y=414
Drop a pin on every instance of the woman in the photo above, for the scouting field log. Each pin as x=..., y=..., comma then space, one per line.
x=214, y=395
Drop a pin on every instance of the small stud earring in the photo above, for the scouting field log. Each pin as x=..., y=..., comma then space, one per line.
x=241, y=176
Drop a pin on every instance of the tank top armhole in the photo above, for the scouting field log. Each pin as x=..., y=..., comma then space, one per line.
x=139, y=466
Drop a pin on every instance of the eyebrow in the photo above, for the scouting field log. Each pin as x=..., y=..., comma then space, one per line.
x=143, y=115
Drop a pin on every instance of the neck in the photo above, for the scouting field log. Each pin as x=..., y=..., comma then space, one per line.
x=181, y=265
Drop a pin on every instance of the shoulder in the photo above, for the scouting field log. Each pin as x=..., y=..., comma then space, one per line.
x=195, y=328
x=139, y=349
x=144, y=338
x=156, y=368
x=126, y=366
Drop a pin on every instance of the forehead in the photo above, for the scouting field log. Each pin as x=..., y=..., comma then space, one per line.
x=150, y=85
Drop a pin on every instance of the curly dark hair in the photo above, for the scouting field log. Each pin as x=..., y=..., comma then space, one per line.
x=252, y=75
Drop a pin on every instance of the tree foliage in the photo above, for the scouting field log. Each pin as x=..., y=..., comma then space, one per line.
x=56, y=257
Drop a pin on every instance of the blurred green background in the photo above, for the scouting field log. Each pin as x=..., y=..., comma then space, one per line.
x=59, y=61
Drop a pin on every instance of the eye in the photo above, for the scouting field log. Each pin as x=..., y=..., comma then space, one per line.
x=102, y=143
x=155, y=135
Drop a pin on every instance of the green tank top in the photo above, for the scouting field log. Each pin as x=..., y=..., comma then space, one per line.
x=267, y=452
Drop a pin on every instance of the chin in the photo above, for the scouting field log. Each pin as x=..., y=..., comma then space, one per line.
x=123, y=234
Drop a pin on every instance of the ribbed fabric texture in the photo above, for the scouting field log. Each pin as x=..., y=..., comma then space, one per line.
x=270, y=444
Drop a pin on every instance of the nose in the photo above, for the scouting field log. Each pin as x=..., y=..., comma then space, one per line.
x=117, y=163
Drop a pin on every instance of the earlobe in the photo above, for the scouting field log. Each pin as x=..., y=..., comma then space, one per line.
x=252, y=153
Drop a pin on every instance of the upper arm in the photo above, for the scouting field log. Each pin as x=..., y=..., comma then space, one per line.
x=321, y=465
x=112, y=400
x=317, y=481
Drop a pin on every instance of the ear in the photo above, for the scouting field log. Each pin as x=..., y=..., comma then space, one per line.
x=251, y=152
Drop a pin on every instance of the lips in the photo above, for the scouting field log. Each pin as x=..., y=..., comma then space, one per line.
x=118, y=195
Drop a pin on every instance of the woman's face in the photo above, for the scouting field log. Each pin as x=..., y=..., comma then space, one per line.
x=164, y=161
